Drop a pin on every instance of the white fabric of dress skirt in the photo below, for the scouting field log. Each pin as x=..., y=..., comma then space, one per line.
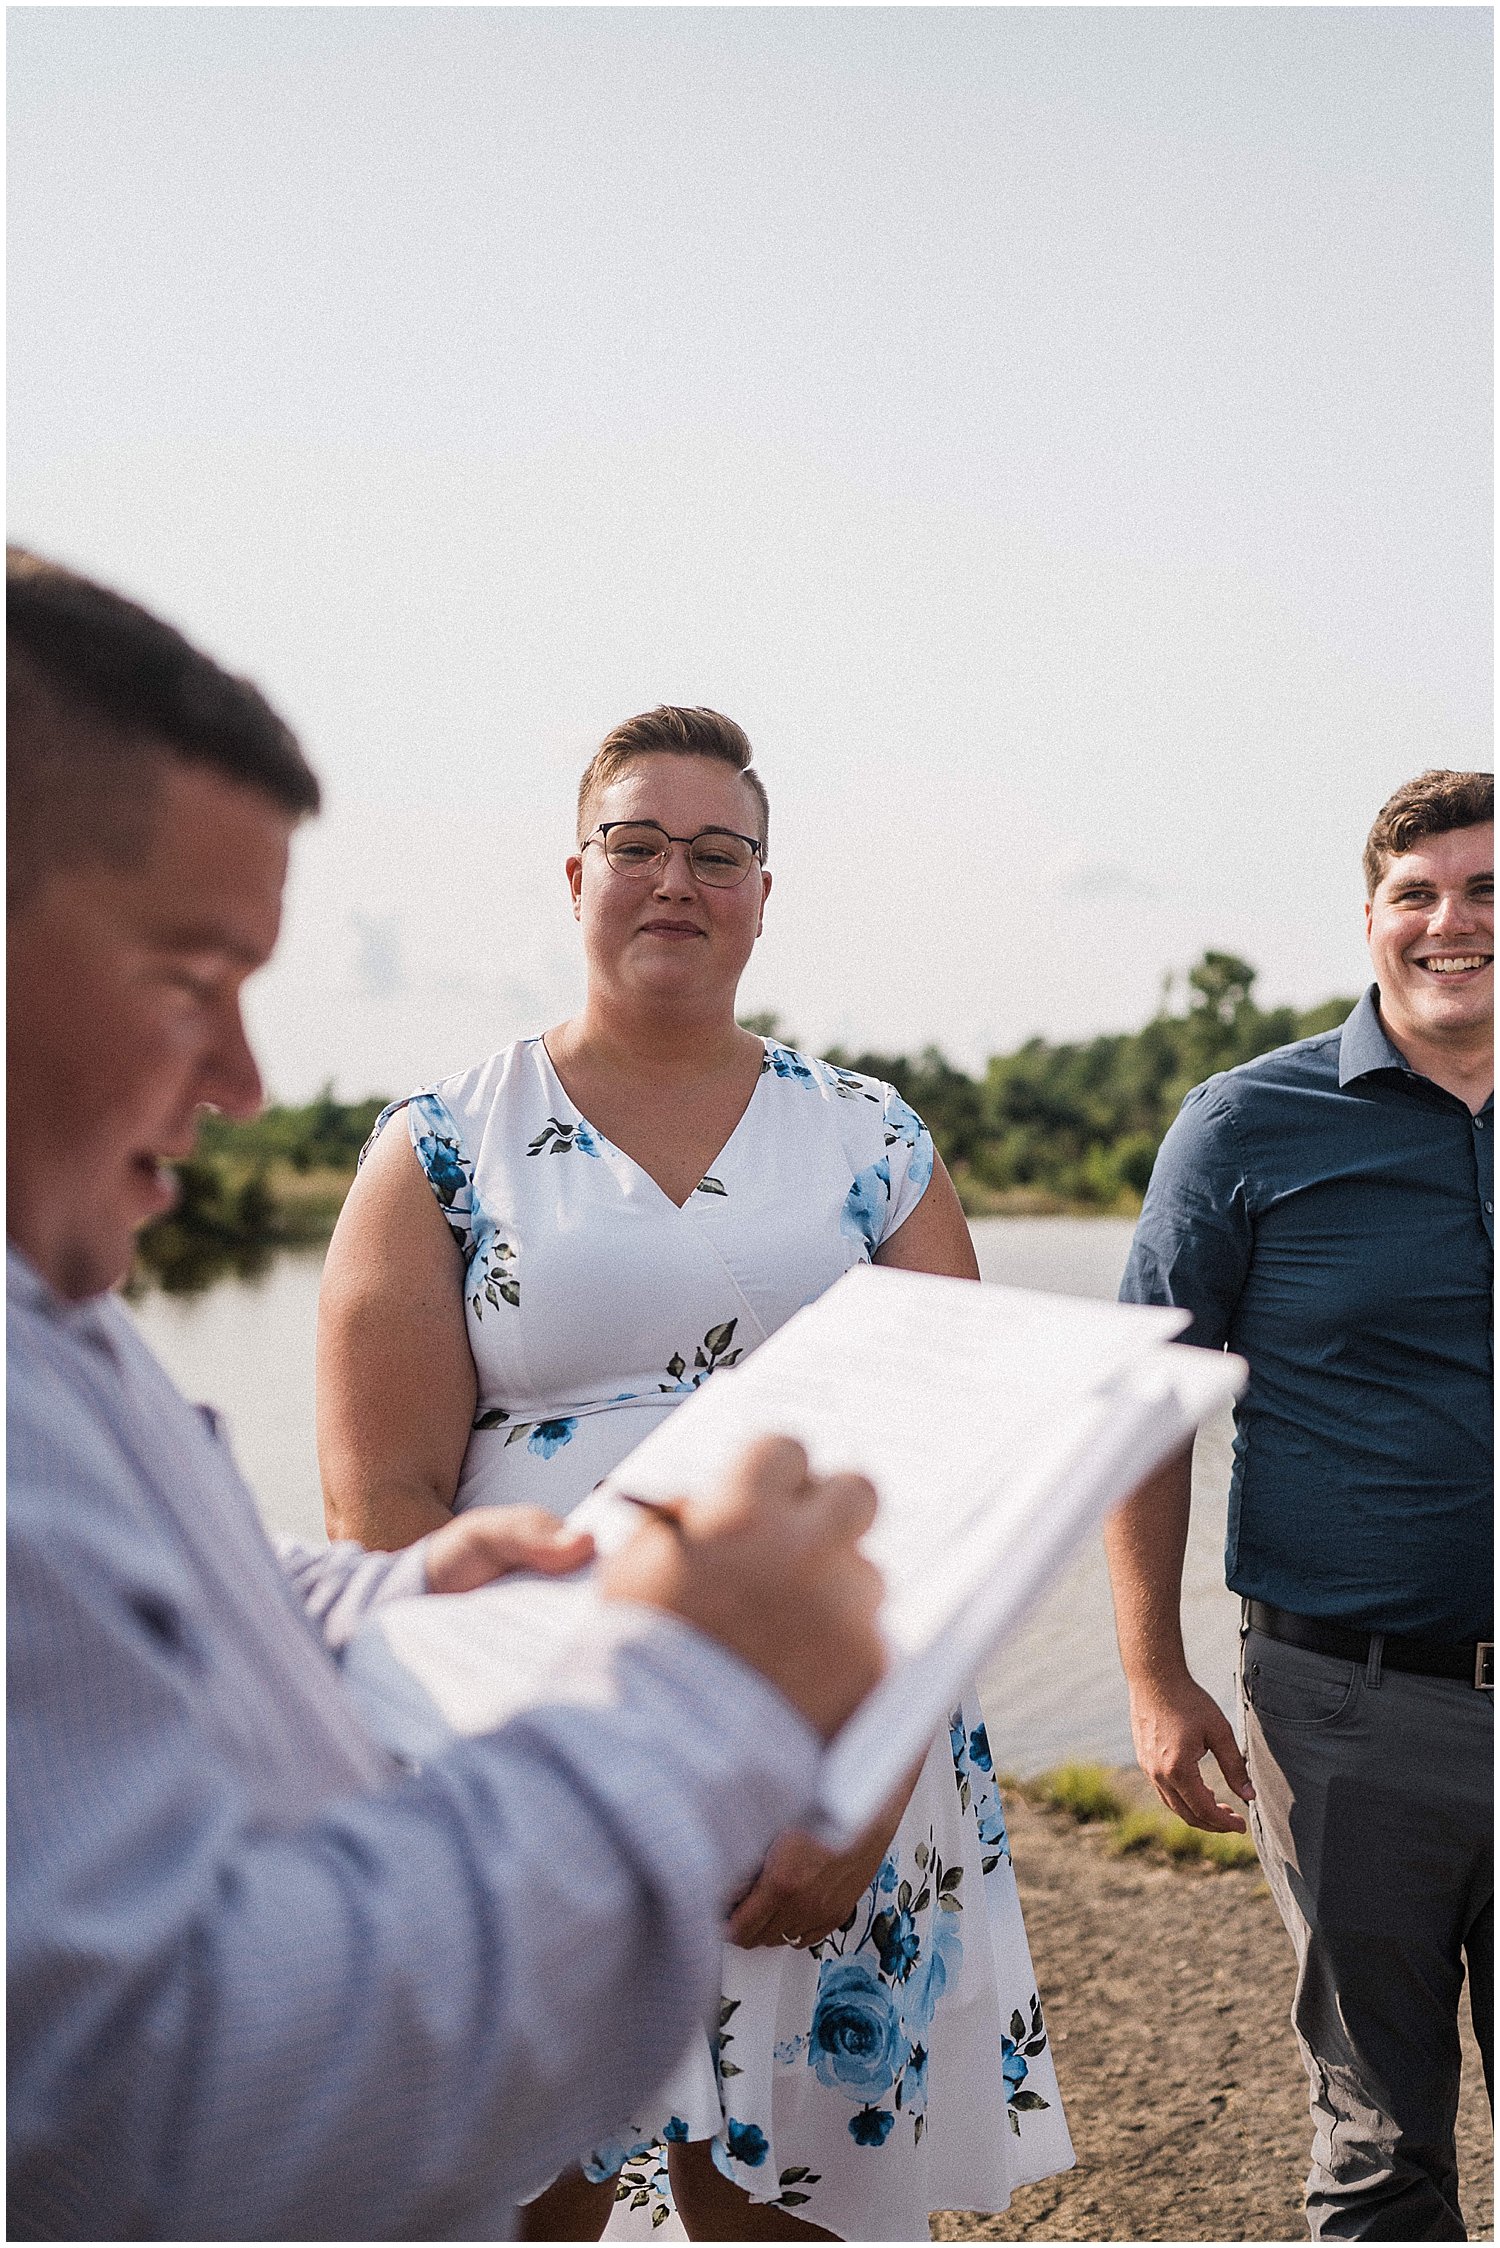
x=902, y=2065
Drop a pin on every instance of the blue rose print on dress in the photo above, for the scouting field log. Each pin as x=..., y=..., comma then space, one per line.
x=992, y=1835
x=610, y=2157
x=898, y=1943
x=676, y=2131
x=548, y=1437
x=855, y=2044
x=747, y=2143
x=644, y=2182
x=491, y=1276
x=438, y=1145
x=786, y=1063
x=440, y=1160
x=941, y=1962
x=904, y=1128
x=871, y=2127
x=1018, y=2050
x=886, y=1879
x=863, y=1215
x=973, y=1769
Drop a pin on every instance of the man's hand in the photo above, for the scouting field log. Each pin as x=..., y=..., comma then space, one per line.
x=493, y=1541
x=1174, y=1729
x=1174, y=1723
x=770, y=1567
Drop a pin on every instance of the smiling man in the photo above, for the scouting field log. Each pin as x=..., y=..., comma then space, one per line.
x=1328, y=1211
x=264, y=1983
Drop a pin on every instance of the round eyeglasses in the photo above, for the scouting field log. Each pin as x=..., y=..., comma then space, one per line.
x=715, y=855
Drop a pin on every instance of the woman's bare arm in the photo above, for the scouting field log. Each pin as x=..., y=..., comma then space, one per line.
x=935, y=1238
x=396, y=1385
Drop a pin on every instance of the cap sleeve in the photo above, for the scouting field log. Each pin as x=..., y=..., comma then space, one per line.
x=446, y=1165
x=908, y=1153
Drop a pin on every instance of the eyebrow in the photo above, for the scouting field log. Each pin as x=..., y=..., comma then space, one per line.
x=1426, y=882
x=206, y=936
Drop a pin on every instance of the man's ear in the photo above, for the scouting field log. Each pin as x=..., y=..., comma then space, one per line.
x=573, y=868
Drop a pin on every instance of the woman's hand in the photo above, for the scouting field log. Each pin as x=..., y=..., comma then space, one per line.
x=804, y=1891
x=494, y=1541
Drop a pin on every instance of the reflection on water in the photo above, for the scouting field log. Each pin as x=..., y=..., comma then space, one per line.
x=186, y=1266
x=246, y=1345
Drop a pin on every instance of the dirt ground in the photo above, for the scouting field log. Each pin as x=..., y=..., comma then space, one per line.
x=1167, y=1990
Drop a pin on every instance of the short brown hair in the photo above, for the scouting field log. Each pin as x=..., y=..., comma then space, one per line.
x=677, y=732
x=1434, y=803
x=97, y=689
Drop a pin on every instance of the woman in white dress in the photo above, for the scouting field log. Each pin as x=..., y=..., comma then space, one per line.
x=564, y=1241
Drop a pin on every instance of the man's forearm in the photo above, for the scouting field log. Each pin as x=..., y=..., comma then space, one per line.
x=1145, y=1541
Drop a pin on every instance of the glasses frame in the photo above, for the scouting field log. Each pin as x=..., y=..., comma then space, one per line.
x=601, y=834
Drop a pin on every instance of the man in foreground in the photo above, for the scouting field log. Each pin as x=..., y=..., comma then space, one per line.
x=1328, y=1211
x=263, y=1984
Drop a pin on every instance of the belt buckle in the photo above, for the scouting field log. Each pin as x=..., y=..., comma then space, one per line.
x=1484, y=1665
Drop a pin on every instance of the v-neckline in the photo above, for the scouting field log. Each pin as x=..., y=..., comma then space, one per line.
x=626, y=1157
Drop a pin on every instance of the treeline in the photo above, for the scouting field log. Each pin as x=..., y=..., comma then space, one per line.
x=1077, y=1127
x=252, y=1188
x=1046, y=1128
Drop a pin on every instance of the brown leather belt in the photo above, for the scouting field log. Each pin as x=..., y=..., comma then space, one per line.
x=1472, y=1660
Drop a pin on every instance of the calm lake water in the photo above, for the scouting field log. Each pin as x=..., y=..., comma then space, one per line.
x=1056, y=1691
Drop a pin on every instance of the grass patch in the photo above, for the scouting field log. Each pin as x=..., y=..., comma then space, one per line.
x=1174, y=1838
x=1084, y=1791
x=1088, y=1793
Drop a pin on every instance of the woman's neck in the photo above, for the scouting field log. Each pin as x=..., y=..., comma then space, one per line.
x=661, y=1042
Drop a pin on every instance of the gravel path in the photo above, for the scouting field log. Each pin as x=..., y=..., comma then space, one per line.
x=1167, y=1990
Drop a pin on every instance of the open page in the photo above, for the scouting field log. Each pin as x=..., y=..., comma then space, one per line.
x=998, y=1427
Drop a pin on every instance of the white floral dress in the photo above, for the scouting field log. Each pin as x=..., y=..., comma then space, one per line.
x=901, y=2065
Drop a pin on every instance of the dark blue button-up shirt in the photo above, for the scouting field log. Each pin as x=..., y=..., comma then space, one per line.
x=1329, y=1213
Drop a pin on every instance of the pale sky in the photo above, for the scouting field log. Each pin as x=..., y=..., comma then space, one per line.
x=1061, y=437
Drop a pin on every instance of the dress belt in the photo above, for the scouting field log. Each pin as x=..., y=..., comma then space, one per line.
x=1469, y=1659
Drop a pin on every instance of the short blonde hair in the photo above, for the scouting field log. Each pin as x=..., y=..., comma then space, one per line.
x=675, y=732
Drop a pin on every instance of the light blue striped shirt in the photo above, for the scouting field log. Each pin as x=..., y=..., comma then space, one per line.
x=264, y=1984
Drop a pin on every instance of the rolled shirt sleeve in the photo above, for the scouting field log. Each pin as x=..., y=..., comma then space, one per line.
x=1193, y=1242
x=339, y=1584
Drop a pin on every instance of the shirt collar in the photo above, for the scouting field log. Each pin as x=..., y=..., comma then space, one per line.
x=1363, y=1044
x=1365, y=1049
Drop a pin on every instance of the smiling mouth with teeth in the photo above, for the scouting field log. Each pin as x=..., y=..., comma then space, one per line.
x=1456, y=964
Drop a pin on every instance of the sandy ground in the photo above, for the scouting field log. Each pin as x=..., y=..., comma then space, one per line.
x=1167, y=1990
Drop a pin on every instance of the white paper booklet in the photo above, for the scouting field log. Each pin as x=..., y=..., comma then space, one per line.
x=999, y=1427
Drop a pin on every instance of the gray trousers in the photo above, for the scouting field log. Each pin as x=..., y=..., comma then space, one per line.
x=1373, y=1822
